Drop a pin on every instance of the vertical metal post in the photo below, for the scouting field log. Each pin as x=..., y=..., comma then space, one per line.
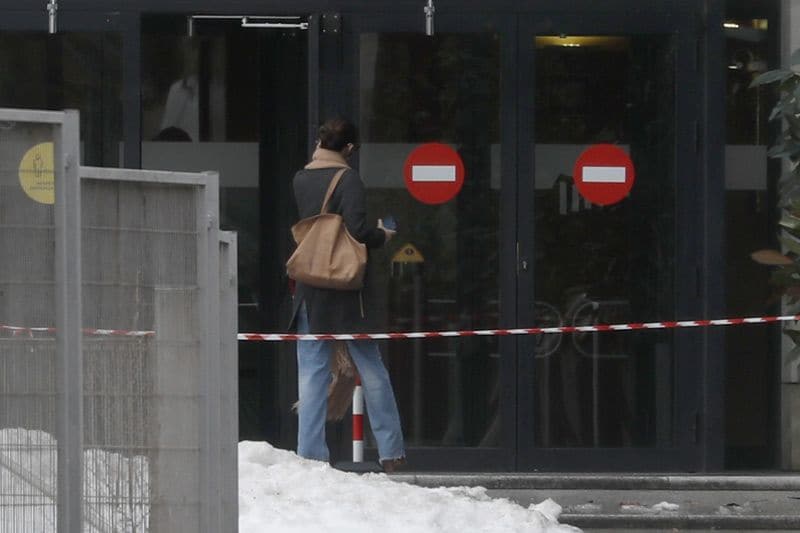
x=544, y=398
x=69, y=353
x=417, y=363
x=595, y=390
x=131, y=97
x=429, y=10
x=208, y=278
x=712, y=202
x=52, y=10
x=313, y=80
x=229, y=367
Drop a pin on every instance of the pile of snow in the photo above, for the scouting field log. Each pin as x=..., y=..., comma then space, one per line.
x=281, y=492
x=659, y=508
x=278, y=492
x=116, y=487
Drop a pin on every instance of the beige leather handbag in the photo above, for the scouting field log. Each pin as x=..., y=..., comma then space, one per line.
x=327, y=256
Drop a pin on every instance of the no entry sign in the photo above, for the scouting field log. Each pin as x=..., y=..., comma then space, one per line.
x=604, y=174
x=434, y=173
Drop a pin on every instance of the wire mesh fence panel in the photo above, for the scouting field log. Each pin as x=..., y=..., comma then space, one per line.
x=28, y=386
x=118, y=407
x=117, y=429
x=142, y=393
x=28, y=453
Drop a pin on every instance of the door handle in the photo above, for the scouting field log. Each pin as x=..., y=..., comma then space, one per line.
x=521, y=262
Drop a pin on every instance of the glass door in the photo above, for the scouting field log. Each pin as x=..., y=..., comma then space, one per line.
x=234, y=98
x=612, y=400
x=78, y=67
x=451, y=265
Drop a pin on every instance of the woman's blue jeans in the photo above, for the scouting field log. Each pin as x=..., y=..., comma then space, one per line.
x=313, y=378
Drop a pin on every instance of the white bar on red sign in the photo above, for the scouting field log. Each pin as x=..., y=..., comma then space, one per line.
x=433, y=173
x=604, y=174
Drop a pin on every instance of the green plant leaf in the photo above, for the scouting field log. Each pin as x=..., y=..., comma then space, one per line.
x=776, y=111
x=793, y=292
x=790, y=211
x=772, y=76
x=786, y=181
x=795, y=336
x=795, y=59
x=787, y=149
x=789, y=84
x=771, y=258
x=791, y=243
x=790, y=221
x=788, y=188
x=794, y=124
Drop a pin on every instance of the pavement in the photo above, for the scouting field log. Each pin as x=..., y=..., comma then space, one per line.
x=648, y=502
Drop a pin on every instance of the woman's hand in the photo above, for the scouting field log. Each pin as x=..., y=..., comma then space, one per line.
x=389, y=233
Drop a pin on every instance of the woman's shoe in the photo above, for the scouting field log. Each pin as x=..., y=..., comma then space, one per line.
x=390, y=465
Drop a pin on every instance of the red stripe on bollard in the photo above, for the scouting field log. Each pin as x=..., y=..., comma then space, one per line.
x=358, y=427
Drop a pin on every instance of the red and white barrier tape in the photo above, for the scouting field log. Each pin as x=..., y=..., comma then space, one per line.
x=273, y=337
x=18, y=330
x=516, y=331
x=118, y=333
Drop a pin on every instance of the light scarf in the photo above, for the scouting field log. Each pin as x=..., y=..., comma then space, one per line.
x=324, y=158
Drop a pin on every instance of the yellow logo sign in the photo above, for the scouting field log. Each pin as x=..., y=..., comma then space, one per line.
x=408, y=254
x=36, y=173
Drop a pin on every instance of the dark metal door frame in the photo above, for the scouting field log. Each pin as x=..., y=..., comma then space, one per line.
x=692, y=350
x=464, y=458
x=695, y=351
x=332, y=75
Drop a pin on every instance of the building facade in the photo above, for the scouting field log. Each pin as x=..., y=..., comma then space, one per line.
x=519, y=89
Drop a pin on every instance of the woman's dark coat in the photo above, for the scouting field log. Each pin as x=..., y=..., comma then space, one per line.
x=335, y=311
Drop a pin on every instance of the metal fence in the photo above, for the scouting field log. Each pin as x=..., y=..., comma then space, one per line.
x=118, y=400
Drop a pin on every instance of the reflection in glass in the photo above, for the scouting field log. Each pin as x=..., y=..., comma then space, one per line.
x=199, y=112
x=80, y=71
x=417, y=89
x=598, y=265
x=234, y=100
x=751, y=353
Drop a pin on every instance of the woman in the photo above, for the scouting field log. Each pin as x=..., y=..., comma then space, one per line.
x=317, y=310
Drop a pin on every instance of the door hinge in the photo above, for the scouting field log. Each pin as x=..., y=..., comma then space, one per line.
x=331, y=23
x=521, y=263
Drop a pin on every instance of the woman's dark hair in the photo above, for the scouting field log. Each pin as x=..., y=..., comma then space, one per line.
x=336, y=133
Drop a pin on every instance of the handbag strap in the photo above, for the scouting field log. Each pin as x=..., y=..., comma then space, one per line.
x=334, y=182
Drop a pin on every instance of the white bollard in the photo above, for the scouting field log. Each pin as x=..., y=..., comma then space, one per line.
x=358, y=422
